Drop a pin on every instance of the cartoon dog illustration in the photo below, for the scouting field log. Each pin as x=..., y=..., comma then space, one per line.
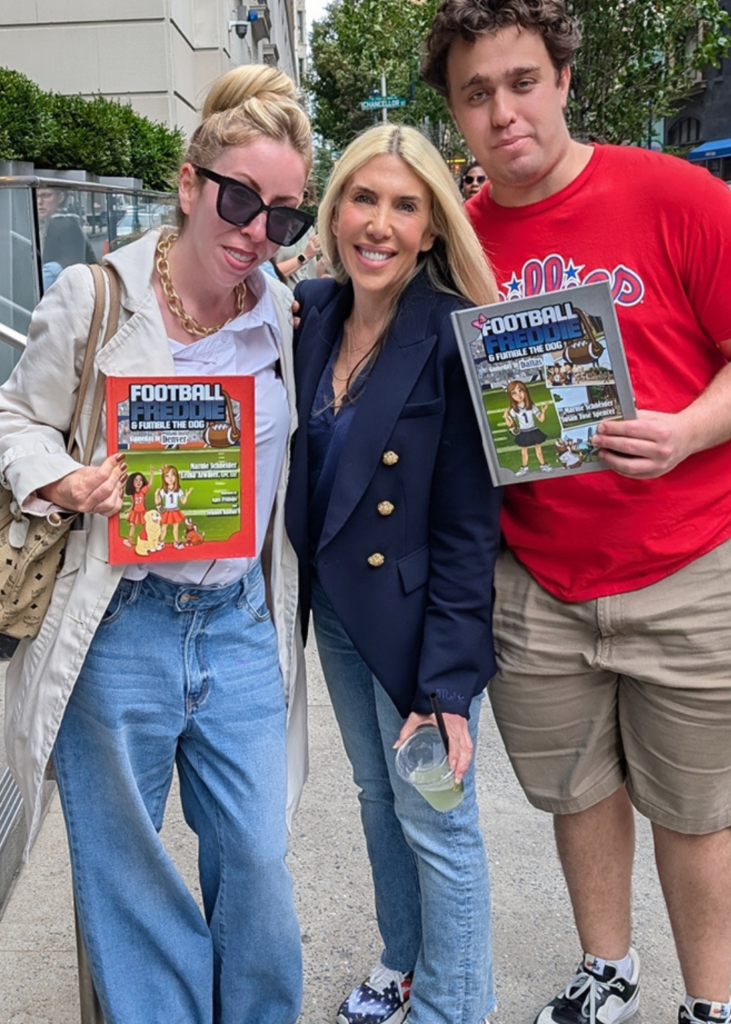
x=568, y=453
x=149, y=538
x=192, y=535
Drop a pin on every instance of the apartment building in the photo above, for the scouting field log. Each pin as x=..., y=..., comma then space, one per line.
x=158, y=55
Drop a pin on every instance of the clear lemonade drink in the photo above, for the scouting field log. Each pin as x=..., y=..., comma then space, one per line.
x=422, y=761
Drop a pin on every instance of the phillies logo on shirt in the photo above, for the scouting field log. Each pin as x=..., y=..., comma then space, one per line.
x=553, y=273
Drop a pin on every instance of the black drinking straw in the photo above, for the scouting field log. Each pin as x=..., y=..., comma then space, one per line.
x=440, y=721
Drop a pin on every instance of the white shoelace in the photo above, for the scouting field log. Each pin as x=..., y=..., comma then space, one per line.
x=594, y=988
x=381, y=977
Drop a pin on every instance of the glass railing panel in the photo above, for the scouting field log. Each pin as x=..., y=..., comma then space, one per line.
x=82, y=226
x=139, y=214
x=19, y=289
x=48, y=225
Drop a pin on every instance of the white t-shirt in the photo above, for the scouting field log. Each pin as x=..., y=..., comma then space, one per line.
x=171, y=499
x=524, y=418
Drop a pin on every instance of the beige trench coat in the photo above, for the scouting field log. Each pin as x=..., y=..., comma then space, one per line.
x=36, y=406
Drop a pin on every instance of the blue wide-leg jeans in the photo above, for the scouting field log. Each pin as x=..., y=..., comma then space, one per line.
x=430, y=874
x=187, y=676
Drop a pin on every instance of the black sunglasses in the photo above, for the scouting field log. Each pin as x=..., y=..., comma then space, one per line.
x=238, y=204
x=478, y=179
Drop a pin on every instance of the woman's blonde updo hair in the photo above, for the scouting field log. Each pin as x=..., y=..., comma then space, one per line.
x=456, y=262
x=248, y=103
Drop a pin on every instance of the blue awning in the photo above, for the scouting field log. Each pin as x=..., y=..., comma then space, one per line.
x=709, y=150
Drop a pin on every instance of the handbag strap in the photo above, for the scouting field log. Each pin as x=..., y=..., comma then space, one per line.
x=105, y=279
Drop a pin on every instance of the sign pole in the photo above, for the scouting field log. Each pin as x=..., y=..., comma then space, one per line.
x=384, y=94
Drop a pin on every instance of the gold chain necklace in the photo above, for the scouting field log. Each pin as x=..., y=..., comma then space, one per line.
x=175, y=305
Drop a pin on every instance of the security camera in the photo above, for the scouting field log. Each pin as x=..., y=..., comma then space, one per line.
x=241, y=24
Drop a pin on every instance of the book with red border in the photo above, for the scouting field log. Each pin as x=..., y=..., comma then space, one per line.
x=189, y=445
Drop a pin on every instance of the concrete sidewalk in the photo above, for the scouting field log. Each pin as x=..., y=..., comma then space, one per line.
x=535, y=947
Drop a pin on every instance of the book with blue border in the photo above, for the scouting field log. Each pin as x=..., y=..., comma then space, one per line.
x=543, y=372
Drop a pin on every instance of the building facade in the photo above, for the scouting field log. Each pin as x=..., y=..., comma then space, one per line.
x=158, y=55
x=300, y=21
x=704, y=117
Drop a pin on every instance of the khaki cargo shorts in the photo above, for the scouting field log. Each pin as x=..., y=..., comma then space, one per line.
x=630, y=689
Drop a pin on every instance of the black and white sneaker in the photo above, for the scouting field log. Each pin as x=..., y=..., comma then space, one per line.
x=595, y=996
x=383, y=998
x=703, y=1012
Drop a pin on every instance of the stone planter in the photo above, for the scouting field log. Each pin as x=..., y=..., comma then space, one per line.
x=13, y=168
x=44, y=172
x=135, y=183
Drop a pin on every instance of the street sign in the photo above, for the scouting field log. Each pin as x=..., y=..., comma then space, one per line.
x=379, y=102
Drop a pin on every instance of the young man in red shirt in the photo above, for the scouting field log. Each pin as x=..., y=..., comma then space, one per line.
x=612, y=616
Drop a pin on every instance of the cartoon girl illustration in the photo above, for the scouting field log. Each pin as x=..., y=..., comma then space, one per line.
x=170, y=497
x=520, y=418
x=136, y=488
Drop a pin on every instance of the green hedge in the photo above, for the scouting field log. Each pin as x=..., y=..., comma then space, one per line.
x=26, y=121
x=98, y=135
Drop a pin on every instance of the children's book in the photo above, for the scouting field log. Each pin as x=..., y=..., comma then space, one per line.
x=543, y=373
x=188, y=443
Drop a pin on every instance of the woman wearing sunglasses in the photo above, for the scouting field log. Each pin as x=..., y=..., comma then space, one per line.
x=391, y=511
x=136, y=670
x=472, y=180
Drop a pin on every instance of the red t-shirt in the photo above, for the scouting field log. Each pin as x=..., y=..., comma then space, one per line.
x=659, y=230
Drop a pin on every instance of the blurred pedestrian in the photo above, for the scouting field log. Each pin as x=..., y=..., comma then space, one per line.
x=472, y=180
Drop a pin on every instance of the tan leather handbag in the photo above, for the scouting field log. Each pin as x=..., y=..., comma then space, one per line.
x=32, y=547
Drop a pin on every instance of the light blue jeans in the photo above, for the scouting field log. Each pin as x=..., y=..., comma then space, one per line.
x=429, y=868
x=186, y=676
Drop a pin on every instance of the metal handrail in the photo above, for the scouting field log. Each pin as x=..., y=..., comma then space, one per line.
x=12, y=338
x=73, y=185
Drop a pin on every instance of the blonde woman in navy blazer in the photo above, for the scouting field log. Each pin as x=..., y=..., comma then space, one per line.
x=395, y=523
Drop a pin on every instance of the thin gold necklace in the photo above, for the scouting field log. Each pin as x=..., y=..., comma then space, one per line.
x=175, y=305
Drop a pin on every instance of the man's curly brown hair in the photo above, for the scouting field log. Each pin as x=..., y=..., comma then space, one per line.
x=469, y=19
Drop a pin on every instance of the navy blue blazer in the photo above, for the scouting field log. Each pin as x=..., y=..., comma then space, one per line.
x=422, y=618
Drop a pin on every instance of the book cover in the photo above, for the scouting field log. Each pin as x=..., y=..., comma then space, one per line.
x=189, y=447
x=543, y=373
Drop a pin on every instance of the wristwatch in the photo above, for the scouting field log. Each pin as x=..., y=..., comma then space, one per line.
x=301, y=257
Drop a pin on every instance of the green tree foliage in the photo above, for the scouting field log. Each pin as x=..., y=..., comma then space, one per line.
x=97, y=135
x=352, y=46
x=637, y=59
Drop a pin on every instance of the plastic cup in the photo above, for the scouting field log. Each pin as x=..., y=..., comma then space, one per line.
x=422, y=761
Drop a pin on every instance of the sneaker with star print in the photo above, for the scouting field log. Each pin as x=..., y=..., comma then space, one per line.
x=383, y=998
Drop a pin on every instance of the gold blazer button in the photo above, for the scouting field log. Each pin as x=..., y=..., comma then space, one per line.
x=389, y=458
x=385, y=508
x=376, y=560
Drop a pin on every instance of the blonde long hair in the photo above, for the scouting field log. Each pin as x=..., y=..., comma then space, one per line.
x=456, y=262
x=250, y=102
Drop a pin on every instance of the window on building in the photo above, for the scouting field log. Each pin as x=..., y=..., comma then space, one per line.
x=685, y=132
